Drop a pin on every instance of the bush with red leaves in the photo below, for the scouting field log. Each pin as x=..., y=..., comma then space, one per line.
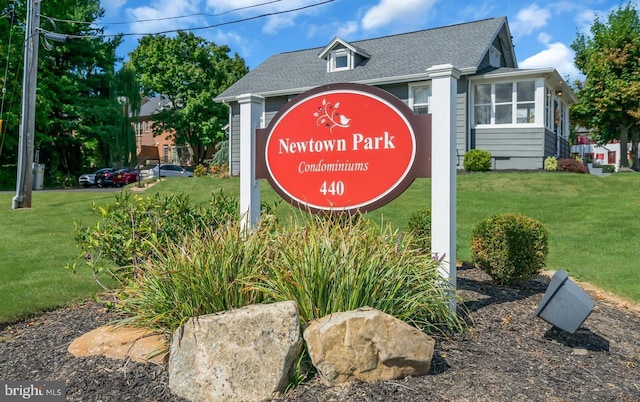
x=571, y=165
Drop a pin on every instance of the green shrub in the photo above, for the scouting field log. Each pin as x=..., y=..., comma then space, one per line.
x=509, y=247
x=7, y=178
x=419, y=225
x=477, y=160
x=200, y=170
x=133, y=226
x=551, y=164
x=608, y=168
x=571, y=165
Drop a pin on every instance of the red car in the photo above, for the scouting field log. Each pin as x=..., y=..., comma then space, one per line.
x=122, y=177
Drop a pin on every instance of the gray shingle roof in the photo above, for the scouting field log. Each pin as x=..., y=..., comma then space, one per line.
x=153, y=105
x=410, y=54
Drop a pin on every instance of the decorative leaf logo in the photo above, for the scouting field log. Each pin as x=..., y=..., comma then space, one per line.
x=333, y=119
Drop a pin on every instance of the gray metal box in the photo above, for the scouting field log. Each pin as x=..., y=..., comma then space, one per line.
x=564, y=305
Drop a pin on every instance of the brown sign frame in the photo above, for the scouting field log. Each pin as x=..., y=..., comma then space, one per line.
x=420, y=124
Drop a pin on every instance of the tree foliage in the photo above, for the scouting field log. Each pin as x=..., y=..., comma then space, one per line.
x=81, y=115
x=190, y=72
x=609, y=98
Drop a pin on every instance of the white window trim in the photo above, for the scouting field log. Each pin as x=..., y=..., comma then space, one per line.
x=539, y=104
x=333, y=56
x=420, y=84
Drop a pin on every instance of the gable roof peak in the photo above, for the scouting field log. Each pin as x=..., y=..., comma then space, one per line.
x=336, y=42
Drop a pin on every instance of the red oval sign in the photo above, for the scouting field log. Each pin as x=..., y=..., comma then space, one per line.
x=343, y=147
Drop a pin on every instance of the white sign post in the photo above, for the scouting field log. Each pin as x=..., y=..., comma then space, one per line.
x=250, y=114
x=444, y=85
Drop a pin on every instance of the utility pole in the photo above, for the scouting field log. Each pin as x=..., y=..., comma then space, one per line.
x=24, y=181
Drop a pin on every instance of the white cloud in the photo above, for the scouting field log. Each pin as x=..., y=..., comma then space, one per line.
x=544, y=37
x=112, y=7
x=237, y=43
x=345, y=30
x=530, y=19
x=557, y=55
x=274, y=23
x=386, y=12
x=154, y=17
x=584, y=20
x=476, y=11
x=220, y=6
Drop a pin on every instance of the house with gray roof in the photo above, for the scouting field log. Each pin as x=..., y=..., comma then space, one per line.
x=153, y=148
x=521, y=116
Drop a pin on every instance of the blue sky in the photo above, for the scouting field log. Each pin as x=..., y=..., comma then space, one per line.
x=542, y=31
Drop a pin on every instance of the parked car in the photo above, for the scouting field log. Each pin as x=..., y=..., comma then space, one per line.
x=105, y=177
x=122, y=177
x=168, y=170
x=89, y=179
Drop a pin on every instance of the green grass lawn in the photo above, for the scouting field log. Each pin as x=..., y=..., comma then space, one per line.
x=593, y=222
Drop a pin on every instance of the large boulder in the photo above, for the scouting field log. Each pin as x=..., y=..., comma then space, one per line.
x=238, y=355
x=115, y=342
x=367, y=345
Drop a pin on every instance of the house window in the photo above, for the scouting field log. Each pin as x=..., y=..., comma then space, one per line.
x=419, y=98
x=612, y=157
x=187, y=155
x=526, y=105
x=165, y=153
x=547, y=109
x=482, y=108
x=339, y=60
x=505, y=103
x=557, y=118
x=494, y=57
x=138, y=129
x=175, y=154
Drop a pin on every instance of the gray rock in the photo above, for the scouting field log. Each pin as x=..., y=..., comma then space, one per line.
x=239, y=355
x=367, y=345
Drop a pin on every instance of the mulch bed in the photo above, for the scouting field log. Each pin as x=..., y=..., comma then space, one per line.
x=507, y=355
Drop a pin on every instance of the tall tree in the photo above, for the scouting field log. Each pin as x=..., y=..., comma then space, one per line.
x=190, y=72
x=80, y=93
x=609, y=98
x=11, y=49
x=80, y=120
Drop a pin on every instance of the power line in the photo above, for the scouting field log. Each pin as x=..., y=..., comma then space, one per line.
x=167, y=18
x=195, y=15
x=70, y=36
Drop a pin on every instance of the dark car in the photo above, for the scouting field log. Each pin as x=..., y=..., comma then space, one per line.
x=105, y=178
x=89, y=179
x=122, y=177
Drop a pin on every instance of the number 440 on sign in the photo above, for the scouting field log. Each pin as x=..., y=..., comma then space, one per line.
x=332, y=188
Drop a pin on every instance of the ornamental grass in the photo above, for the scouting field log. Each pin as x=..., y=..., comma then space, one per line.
x=329, y=267
x=326, y=266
